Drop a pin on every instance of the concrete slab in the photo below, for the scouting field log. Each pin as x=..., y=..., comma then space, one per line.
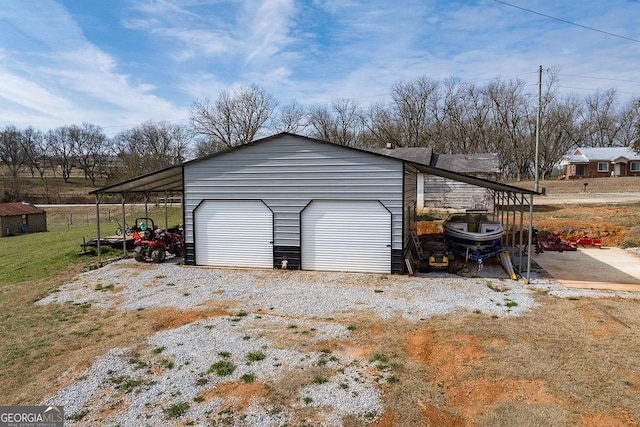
x=593, y=268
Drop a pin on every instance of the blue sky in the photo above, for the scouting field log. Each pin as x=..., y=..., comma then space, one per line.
x=118, y=63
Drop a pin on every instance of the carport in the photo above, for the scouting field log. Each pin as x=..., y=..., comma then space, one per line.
x=509, y=201
x=166, y=181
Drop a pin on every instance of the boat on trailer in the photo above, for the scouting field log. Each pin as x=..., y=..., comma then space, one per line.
x=474, y=234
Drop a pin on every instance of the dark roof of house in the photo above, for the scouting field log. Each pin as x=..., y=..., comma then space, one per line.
x=469, y=163
x=423, y=155
x=13, y=209
x=487, y=163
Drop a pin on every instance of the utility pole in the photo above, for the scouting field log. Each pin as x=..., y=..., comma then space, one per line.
x=537, y=165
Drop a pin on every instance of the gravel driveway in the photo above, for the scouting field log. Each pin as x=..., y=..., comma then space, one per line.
x=178, y=374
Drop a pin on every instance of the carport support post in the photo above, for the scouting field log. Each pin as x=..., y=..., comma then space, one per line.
x=146, y=208
x=166, y=214
x=98, y=230
x=521, y=232
x=529, y=239
x=124, y=229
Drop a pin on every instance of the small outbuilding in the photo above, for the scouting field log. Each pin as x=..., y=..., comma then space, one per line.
x=21, y=218
x=441, y=192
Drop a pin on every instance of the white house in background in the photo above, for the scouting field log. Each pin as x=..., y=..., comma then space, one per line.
x=601, y=162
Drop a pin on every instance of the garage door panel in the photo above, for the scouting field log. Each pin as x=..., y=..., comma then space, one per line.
x=236, y=233
x=346, y=236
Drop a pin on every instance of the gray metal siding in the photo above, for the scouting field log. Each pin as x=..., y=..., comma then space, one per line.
x=287, y=173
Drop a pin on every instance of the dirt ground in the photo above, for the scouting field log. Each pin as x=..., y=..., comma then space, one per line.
x=569, y=362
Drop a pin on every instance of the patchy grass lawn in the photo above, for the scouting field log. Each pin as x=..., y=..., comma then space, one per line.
x=37, y=340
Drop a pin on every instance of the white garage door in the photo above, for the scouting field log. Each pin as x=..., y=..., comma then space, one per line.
x=235, y=233
x=346, y=236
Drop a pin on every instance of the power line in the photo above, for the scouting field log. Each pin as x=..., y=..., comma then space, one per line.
x=568, y=22
x=595, y=90
x=601, y=78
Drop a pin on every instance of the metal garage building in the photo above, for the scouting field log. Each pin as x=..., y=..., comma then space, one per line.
x=319, y=205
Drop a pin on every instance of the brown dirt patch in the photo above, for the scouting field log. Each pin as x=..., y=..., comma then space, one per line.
x=609, y=420
x=611, y=233
x=567, y=363
x=452, y=359
x=346, y=348
x=170, y=318
x=435, y=416
x=237, y=392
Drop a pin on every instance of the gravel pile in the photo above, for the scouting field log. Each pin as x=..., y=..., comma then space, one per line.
x=174, y=374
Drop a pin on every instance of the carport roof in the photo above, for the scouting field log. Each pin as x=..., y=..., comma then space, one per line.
x=171, y=179
x=168, y=179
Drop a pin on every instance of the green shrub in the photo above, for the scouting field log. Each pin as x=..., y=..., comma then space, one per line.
x=222, y=368
x=255, y=356
x=176, y=410
x=248, y=378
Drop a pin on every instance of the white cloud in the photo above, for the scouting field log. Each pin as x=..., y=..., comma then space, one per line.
x=65, y=79
x=268, y=28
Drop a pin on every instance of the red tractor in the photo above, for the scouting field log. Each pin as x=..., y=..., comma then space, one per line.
x=152, y=244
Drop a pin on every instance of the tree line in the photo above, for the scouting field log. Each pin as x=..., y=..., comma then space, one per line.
x=449, y=116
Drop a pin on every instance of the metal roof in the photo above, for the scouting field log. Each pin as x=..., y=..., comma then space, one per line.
x=168, y=179
x=488, y=163
x=171, y=179
x=18, y=208
x=422, y=155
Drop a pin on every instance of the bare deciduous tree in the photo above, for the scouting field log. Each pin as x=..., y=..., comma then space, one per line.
x=149, y=147
x=12, y=155
x=233, y=119
x=629, y=116
x=11, y=151
x=340, y=124
x=513, y=116
x=61, y=148
x=90, y=149
x=412, y=103
x=33, y=144
x=600, y=120
x=291, y=118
